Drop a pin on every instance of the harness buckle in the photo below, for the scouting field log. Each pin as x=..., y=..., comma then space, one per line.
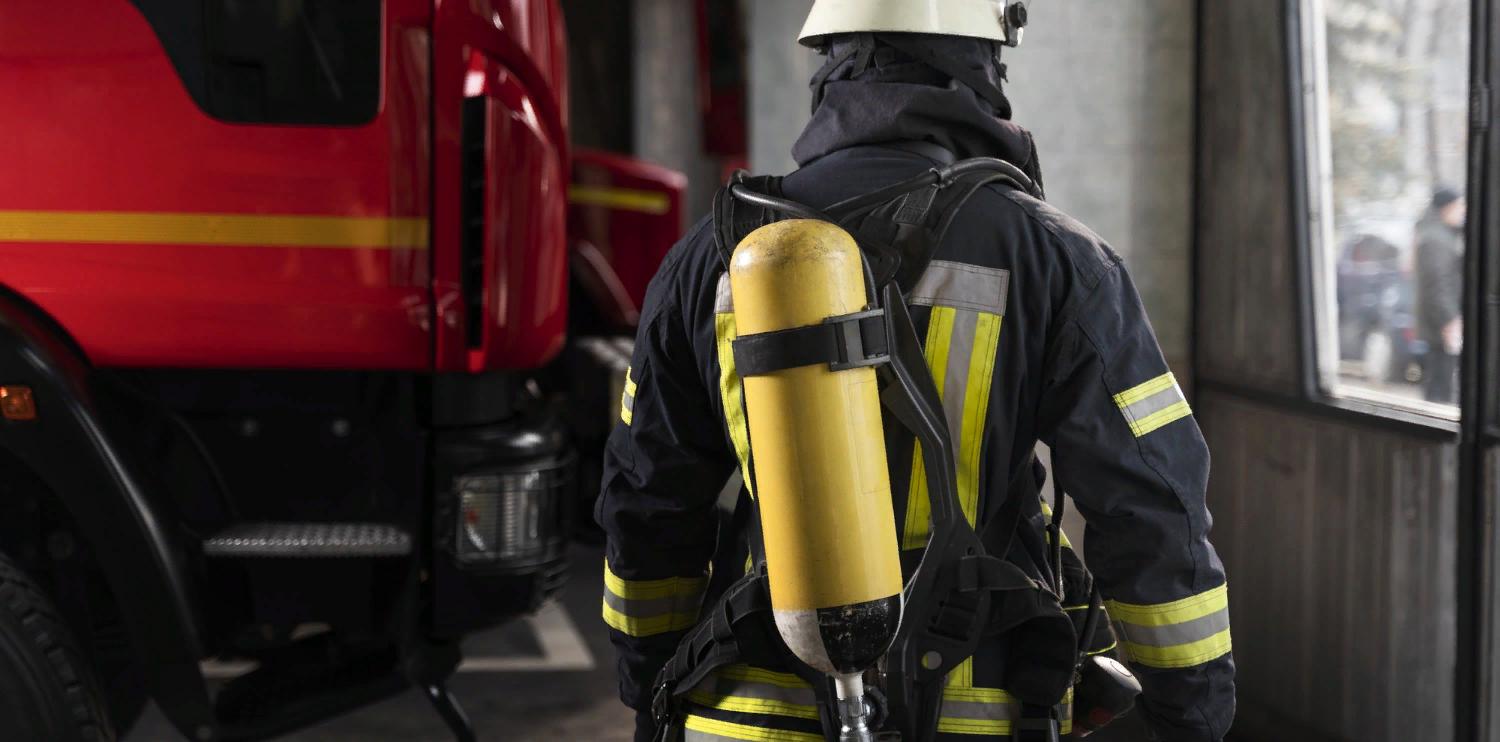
x=661, y=704
x=859, y=340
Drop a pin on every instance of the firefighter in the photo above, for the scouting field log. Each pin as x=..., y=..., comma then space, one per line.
x=1033, y=332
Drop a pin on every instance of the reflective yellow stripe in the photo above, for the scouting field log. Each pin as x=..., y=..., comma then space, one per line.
x=918, y=506
x=627, y=399
x=649, y=607
x=1138, y=393
x=650, y=625
x=1112, y=646
x=990, y=712
x=1182, y=633
x=962, y=677
x=976, y=411
x=730, y=730
x=1047, y=513
x=748, y=705
x=1157, y=419
x=1166, y=614
x=966, y=694
x=1181, y=655
x=754, y=690
x=236, y=230
x=1151, y=405
x=652, y=589
x=624, y=199
x=750, y=674
x=970, y=339
x=732, y=395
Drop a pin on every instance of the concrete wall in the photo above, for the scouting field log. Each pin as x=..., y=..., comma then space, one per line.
x=779, y=71
x=668, y=123
x=1107, y=89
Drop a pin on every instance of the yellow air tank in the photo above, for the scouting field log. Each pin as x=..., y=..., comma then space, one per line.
x=819, y=456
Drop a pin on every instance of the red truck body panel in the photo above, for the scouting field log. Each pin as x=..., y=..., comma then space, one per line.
x=159, y=236
x=630, y=211
x=490, y=50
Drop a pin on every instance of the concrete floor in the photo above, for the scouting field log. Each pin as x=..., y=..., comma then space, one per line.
x=544, y=680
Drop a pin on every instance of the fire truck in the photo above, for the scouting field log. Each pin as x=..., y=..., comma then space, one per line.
x=308, y=316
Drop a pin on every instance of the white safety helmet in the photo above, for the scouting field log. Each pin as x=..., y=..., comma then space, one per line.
x=996, y=20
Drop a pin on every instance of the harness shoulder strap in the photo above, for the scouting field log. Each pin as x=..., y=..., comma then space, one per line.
x=733, y=218
x=910, y=224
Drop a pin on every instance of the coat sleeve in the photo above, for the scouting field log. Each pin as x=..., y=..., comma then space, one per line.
x=665, y=464
x=1441, y=276
x=1126, y=448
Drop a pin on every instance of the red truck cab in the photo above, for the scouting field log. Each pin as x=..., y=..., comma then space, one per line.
x=287, y=287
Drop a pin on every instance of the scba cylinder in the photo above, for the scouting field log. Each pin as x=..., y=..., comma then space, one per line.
x=819, y=454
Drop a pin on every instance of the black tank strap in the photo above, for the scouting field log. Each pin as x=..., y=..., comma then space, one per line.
x=851, y=341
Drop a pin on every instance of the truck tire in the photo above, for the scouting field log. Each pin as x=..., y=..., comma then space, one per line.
x=47, y=689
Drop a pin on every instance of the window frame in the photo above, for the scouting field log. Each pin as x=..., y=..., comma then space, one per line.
x=1313, y=264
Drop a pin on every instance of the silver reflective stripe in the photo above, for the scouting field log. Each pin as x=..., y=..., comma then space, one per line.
x=706, y=729
x=652, y=607
x=723, y=296
x=627, y=397
x=979, y=710
x=1155, y=403
x=956, y=375
x=962, y=286
x=1176, y=634
x=720, y=686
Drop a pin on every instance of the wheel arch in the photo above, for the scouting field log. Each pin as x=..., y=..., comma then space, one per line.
x=87, y=477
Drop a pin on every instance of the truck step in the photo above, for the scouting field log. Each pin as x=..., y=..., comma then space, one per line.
x=309, y=541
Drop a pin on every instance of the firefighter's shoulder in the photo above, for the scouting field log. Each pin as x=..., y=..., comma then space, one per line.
x=684, y=271
x=1027, y=220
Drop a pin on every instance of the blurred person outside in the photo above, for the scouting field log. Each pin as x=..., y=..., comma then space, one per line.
x=1439, y=269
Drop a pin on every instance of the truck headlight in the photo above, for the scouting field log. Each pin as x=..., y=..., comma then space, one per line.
x=509, y=517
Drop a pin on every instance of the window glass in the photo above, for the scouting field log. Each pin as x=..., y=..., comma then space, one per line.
x=274, y=61
x=1387, y=103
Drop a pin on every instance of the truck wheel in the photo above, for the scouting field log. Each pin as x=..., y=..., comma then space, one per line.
x=47, y=689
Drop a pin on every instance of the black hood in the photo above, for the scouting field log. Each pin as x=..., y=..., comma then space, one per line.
x=874, y=94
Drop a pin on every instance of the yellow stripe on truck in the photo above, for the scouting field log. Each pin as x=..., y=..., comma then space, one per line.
x=624, y=199
x=235, y=230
